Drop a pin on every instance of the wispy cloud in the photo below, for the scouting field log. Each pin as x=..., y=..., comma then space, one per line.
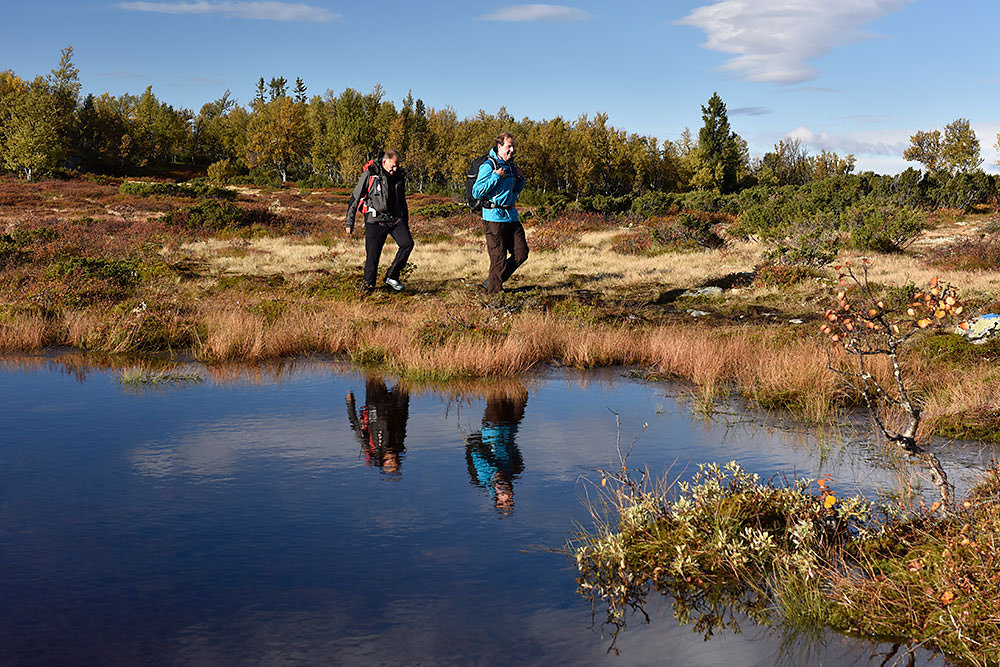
x=262, y=11
x=521, y=13
x=887, y=144
x=773, y=40
x=749, y=111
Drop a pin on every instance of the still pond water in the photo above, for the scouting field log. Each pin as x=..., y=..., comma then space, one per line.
x=306, y=514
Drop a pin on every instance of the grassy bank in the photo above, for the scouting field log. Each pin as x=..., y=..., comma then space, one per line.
x=269, y=274
x=798, y=556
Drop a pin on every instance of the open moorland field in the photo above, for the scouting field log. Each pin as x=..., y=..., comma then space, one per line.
x=178, y=270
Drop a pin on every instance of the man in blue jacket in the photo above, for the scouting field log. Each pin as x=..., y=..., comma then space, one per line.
x=498, y=184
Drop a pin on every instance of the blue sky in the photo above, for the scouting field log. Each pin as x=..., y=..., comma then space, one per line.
x=855, y=76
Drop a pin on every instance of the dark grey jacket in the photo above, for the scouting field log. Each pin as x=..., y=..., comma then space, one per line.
x=384, y=196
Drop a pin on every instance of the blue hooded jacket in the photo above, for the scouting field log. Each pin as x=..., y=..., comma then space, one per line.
x=499, y=191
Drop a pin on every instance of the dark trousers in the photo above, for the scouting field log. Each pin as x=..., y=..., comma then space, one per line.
x=507, y=248
x=375, y=235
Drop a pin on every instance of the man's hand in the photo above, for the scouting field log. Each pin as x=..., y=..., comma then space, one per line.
x=518, y=174
x=500, y=171
x=349, y=229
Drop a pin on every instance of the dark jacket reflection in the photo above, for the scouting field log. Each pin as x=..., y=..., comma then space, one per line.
x=381, y=423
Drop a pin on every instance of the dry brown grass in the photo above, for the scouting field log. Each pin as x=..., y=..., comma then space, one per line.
x=24, y=333
x=251, y=295
x=465, y=258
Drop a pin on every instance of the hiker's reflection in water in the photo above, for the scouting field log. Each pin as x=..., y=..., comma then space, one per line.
x=492, y=455
x=381, y=423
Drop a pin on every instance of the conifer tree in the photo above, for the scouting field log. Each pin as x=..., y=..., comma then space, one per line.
x=719, y=150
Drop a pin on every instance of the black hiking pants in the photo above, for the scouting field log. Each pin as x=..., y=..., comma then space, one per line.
x=507, y=248
x=375, y=235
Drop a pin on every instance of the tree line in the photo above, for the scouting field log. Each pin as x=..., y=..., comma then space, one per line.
x=284, y=134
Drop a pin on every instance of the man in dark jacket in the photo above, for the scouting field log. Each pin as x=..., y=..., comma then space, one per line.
x=381, y=194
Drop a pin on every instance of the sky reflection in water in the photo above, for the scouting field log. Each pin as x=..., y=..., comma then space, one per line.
x=312, y=515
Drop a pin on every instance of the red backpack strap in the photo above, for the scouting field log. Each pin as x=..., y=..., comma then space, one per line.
x=368, y=188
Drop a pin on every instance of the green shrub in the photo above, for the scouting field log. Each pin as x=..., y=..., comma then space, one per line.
x=316, y=180
x=218, y=216
x=875, y=228
x=121, y=272
x=813, y=243
x=603, y=204
x=655, y=202
x=12, y=253
x=27, y=237
x=435, y=211
x=261, y=177
x=192, y=190
x=222, y=171
x=14, y=247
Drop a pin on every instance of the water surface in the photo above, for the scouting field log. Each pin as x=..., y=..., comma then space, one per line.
x=308, y=514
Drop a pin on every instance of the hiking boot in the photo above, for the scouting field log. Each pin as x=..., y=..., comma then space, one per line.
x=394, y=284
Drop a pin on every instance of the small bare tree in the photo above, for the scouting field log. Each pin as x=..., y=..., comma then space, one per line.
x=867, y=325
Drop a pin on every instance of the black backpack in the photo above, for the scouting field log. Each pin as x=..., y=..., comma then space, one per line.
x=470, y=179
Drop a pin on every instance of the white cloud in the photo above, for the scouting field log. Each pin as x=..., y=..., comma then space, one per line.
x=518, y=13
x=264, y=11
x=890, y=144
x=882, y=150
x=773, y=40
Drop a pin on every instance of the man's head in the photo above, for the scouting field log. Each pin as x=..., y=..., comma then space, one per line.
x=505, y=146
x=390, y=161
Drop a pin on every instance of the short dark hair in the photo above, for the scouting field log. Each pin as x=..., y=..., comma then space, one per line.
x=391, y=153
x=502, y=137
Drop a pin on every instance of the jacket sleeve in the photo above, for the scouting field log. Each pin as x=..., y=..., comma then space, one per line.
x=352, y=205
x=518, y=186
x=403, y=208
x=485, y=181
